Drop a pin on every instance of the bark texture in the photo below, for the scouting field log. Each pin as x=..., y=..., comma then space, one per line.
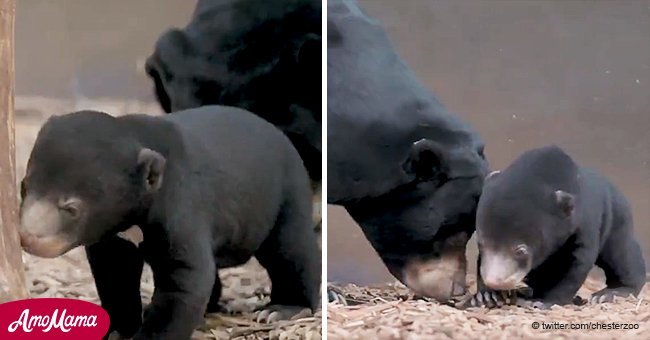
x=12, y=275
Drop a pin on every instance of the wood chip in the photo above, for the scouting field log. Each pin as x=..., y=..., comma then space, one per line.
x=385, y=314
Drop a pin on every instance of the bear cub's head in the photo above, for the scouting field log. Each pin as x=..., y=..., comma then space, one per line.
x=87, y=177
x=518, y=225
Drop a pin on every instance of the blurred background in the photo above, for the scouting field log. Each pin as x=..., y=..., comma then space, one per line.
x=86, y=54
x=525, y=74
x=90, y=48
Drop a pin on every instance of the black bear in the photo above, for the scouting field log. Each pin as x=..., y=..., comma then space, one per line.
x=545, y=221
x=406, y=169
x=209, y=188
x=263, y=56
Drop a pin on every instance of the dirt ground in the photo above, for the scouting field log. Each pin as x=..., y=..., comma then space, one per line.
x=244, y=288
x=391, y=312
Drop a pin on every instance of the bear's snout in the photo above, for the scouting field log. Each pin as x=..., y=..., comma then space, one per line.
x=500, y=271
x=44, y=246
x=40, y=229
x=438, y=278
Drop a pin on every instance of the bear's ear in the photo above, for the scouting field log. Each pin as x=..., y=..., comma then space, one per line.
x=492, y=175
x=307, y=51
x=565, y=202
x=424, y=160
x=152, y=164
x=172, y=49
x=175, y=45
x=152, y=68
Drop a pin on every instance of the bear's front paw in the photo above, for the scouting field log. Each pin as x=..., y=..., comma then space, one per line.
x=336, y=296
x=272, y=313
x=490, y=299
x=608, y=295
x=579, y=300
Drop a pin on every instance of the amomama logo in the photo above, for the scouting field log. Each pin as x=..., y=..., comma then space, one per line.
x=52, y=319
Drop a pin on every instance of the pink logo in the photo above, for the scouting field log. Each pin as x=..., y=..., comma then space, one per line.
x=52, y=318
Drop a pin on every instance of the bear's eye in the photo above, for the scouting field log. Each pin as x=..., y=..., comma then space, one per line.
x=521, y=251
x=70, y=208
x=71, y=211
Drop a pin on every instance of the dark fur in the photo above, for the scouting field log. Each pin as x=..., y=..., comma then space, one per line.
x=408, y=199
x=518, y=206
x=232, y=187
x=263, y=56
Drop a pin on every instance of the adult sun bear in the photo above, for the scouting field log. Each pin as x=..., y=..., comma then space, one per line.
x=263, y=56
x=259, y=55
x=405, y=168
x=209, y=188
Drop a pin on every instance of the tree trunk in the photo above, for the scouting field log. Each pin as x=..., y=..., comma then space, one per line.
x=12, y=275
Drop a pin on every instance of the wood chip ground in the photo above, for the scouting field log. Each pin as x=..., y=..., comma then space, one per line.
x=392, y=312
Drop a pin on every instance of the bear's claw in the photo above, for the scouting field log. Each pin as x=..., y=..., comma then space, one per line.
x=273, y=313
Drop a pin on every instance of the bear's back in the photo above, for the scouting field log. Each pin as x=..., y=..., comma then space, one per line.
x=229, y=153
x=234, y=140
x=235, y=170
x=605, y=205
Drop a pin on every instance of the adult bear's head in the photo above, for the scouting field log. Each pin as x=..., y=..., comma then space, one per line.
x=420, y=228
x=406, y=169
x=263, y=56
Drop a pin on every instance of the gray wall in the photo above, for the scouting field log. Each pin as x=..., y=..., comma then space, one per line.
x=91, y=48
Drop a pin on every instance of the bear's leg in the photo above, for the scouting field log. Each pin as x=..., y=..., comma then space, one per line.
x=213, y=305
x=622, y=262
x=184, y=273
x=116, y=265
x=292, y=258
x=564, y=291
